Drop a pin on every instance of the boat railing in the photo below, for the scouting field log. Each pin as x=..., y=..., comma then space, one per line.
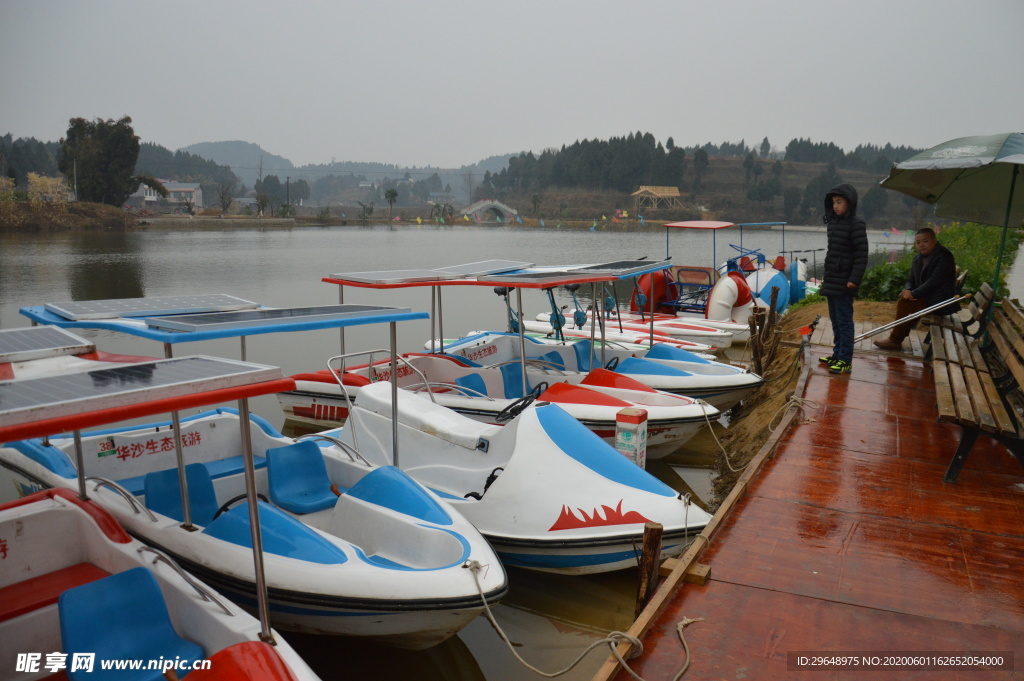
x=135, y=504
x=206, y=594
x=420, y=387
x=542, y=364
x=352, y=452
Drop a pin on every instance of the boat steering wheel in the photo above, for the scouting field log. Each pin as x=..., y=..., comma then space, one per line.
x=234, y=500
x=516, y=407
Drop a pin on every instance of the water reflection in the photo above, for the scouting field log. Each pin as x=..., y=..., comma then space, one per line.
x=106, y=265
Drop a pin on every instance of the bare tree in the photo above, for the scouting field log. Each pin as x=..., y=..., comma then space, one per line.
x=226, y=194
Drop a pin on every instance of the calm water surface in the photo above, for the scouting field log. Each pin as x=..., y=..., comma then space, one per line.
x=549, y=618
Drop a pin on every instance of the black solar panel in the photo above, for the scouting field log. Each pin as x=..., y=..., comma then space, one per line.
x=553, y=278
x=33, y=399
x=36, y=342
x=396, y=276
x=142, y=307
x=264, y=317
x=620, y=268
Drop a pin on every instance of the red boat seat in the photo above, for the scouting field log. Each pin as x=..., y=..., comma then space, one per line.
x=39, y=592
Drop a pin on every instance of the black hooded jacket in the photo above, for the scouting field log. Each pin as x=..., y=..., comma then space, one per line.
x=847, y=254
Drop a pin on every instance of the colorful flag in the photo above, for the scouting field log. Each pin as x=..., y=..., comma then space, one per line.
x=641, y=219
x=604, y=217
x=519, y=220
x=542, y=222
x=895, y=231
x=498, y=216
x=593, y=225
x=419, y=221
x=558, y=225
x=615, y=219
x=625, y=214
x=397, y=218
x=465, y=217
x=885, y=233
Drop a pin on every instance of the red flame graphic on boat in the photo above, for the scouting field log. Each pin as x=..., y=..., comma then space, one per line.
x=567, y=520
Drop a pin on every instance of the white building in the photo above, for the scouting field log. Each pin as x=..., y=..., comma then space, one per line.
x=178, y=194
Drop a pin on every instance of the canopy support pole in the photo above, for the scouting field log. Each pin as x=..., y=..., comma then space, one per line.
x=394, y=393
x=341, y=301
x=266, y=634
x=1006, y=225
x=522, y=337
x=80, y=462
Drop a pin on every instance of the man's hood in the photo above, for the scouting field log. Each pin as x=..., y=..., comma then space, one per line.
x=848, y=192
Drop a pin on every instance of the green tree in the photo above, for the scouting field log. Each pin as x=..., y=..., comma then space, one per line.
x=391, y=196
x=874, y=202
x=791, y=203
x=766, y=148
x=700, y=166
x=748, y=168
x=102, y=154
x=535, y=199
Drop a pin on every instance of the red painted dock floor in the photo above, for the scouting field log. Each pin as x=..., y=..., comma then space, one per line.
x=848, y=541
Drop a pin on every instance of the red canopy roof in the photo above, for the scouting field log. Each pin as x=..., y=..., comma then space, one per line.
x=700, y=224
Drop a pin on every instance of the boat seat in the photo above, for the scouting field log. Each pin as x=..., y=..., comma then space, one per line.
x=513, y=377
x=120, y=617
x=281, y=533
x=582, y=350
x=552, y=359
x=163, y=493
x=38, y=592
x=221, y=468
x=474, y=382
x=297, y=477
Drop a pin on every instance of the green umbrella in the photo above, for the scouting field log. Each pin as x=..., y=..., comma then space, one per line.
x=969, y=178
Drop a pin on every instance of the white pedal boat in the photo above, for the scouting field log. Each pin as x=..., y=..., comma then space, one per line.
x=486, y=393
x=546, y=492
x=663, y=367
x=72, y=580
x=382, y=559
x=673, y=327
x=627, y=340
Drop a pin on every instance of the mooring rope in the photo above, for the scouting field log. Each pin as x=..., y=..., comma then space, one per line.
x=711, y=427
x=682, y=624
x=800, y=403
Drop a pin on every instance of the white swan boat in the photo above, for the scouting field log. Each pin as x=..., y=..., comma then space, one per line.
x=72, y=580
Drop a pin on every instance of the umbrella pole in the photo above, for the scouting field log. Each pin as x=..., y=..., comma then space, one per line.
x=1006, y=225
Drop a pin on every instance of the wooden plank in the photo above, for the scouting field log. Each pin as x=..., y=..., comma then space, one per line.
x=1002, y=418
x=964, y=410
x=915, y=345
x=987, y=291
x=980, y=401
x=938, y=345
x=966, y=358
x=974, y=347
x=943, y=392
x=1006, y=354
x=824, y=326
x=951, y=354
x=955, y=323
x=1013, y=313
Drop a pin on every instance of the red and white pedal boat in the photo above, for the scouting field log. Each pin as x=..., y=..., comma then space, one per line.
x=485, y=393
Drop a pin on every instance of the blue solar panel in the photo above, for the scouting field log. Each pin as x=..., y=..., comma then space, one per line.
x=144, y=307
x=268, y=317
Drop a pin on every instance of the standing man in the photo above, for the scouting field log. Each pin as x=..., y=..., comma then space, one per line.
x=932, y=280
x=845, y=262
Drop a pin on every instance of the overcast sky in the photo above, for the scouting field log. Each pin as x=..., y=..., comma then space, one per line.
x=450, y=82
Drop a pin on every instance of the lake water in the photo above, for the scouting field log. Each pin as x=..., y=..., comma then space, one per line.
x=549, y=618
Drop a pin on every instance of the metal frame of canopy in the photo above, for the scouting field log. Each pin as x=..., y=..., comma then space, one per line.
x=715, y=225
x=137, y=326
x=534, y=278
x=128, y=400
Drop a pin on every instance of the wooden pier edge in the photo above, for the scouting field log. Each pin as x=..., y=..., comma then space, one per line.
x=683, y=564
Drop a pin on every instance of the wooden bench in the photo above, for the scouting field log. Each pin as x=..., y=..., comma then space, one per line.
x=983, y=394
x=954, y=339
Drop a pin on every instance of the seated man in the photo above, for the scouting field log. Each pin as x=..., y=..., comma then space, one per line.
x=932, y=280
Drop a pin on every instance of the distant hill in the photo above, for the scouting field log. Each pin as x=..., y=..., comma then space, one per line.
x=243, y=158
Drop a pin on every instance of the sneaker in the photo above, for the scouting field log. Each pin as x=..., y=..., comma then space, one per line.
x=840, y=366
x=827, y=360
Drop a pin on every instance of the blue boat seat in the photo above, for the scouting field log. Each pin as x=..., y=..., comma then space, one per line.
x=121, y=617
x=297, y=477
x=163, y=493
x=512, y=375
x=552, y=360
x=473, y=382
x=582, y=349
x=282, y=535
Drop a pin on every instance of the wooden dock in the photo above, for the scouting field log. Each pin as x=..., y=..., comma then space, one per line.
x=847, y=541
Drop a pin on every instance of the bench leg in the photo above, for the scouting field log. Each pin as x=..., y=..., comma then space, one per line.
x=967, y=439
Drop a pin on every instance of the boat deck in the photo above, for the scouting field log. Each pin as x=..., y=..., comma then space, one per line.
x=847, y=541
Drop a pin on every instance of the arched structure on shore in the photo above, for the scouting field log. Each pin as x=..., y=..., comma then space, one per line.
x=488, y=207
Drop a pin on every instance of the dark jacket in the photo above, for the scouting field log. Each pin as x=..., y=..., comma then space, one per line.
x=935, y=281
x=847, y=254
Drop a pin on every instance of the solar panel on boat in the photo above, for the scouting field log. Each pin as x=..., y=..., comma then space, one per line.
x=622, y=268
x=36, y=342
x=474, y=269
x=271, y=316
x=534, y=278
x=396, y=276
x=143, y=307
x=49, y=397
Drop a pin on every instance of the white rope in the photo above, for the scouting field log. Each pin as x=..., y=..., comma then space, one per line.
x=612, y=639
x=800, y=403
x=682, y=639
x=711, y=427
